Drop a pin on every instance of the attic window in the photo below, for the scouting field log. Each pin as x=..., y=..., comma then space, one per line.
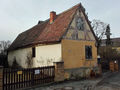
x=80, y=23
x=88, y=52
x=33, y=52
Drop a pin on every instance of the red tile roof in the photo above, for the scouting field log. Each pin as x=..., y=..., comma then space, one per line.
x=45, y=32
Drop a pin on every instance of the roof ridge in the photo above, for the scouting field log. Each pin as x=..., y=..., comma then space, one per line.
x=49, y=18
x=70, y=8
x=116, y=38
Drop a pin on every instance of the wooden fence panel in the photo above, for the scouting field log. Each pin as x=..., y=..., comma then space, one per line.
x=20, y=78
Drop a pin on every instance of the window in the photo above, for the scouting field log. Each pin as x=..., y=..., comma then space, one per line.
x=33, y=52
x=80, y=23
x=88, y=52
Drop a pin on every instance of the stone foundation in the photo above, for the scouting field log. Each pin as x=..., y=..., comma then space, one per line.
x=75, y=73
x=79, y=73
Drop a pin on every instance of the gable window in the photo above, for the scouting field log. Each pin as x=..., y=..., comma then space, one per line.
x=33, y=52
x=80, y=23
x=88, y=52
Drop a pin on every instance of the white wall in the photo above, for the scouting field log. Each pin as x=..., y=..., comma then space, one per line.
x=20, y=55
x=45, y=55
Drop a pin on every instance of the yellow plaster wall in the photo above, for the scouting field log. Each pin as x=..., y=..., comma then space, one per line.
x=73, y=54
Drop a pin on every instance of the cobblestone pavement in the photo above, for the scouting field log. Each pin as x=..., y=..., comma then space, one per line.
x=111, y=81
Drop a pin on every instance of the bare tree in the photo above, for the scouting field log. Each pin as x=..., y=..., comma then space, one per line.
x=99, y=28
x=4, y=45
x=3, y=53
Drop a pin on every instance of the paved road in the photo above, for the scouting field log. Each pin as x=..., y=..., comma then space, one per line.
x=71, y=85
x=111, y=81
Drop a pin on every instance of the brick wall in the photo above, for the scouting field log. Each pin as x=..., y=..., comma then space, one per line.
x=1, y=78
x=59, y=71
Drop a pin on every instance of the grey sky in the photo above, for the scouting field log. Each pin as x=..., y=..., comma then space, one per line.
x=17, y=16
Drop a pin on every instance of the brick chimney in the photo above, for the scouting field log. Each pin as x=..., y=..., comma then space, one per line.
x=52, y=16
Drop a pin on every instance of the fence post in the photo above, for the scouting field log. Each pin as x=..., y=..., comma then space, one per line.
x=1, y=77
x=100, y=68
x=111, y=66
x=59, y=71
x=32, y=77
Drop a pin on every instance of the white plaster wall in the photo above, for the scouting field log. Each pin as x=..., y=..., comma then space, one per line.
x=20, y=55
x=45, y=55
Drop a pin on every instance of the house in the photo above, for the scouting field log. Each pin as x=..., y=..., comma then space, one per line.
x=66, y=37
x=115, y=43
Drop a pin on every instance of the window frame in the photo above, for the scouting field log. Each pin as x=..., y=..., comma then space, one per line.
x=80, y=25
x=88, y=54
x=33, y=52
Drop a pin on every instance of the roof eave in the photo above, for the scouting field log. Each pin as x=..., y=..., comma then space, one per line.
x=34, y=44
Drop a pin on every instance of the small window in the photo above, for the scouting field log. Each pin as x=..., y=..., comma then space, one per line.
x=88, y=52
x=80, y=23
x=33, y=52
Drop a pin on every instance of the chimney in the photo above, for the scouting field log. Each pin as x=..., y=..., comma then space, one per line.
x=52, y=16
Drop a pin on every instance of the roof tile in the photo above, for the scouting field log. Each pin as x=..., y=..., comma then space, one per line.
x=45, y=32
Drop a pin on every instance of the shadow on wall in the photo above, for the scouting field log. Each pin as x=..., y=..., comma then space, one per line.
x=15, y=64
x=28, y=62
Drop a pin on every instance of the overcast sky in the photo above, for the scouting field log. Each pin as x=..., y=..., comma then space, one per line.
x=17, y=16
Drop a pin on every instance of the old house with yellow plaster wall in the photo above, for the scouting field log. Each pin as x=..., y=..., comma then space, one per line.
x=66, y=37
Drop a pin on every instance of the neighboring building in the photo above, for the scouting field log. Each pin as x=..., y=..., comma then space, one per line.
x=115, y=43
x=66, y=37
